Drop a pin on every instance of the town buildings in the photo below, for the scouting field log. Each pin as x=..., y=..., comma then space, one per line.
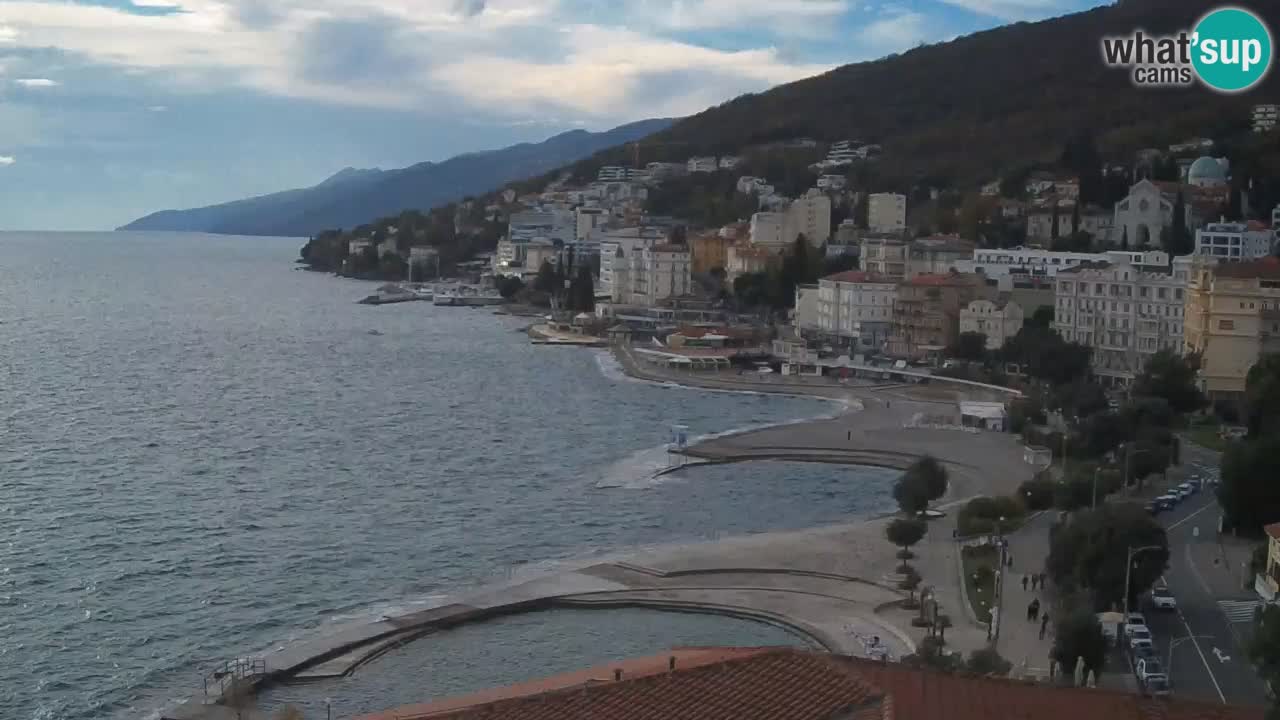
x=1021, y=265
x=650, y=274
x=884, y=255
x=710, y=249
x=926, y=313
x=618, y=246
x=703, y=164
x=809, y=215
x=1142, y=216
x=937, y=254
x=854, y=310
x=1233, y=242
x=744, y=259
x=1264, y=117
x=1123, y=312
x=1232, y=319
x=1093, y=220
x=999, y=320
x=886, y=212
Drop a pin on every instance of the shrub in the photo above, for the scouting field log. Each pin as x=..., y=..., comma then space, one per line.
x=981, y=516
x=1037, y=494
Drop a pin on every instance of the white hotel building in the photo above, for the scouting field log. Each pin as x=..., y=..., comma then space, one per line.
x=854, y=310
x=1235, y=242
x=1124, y=313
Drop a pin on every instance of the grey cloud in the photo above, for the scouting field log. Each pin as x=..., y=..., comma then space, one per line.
x=369, y=52
x=469, y=8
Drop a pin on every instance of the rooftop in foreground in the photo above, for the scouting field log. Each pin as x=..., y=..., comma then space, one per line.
x=791, y=684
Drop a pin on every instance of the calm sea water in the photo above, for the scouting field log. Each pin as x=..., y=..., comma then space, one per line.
x=207, y=452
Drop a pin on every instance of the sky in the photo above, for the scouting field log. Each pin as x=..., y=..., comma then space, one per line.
x=111, y=109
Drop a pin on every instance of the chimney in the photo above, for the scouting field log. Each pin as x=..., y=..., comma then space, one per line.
x=671, y=663
x=617, y=674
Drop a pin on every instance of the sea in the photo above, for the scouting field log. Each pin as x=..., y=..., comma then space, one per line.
x=208, y=452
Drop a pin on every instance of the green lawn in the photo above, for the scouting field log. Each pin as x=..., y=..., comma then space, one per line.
x=981, y=594
x=1207, y=436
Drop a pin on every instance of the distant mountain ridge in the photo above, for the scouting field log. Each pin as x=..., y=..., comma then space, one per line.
x=354, y=196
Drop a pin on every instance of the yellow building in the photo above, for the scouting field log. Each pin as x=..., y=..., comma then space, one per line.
x=710, y=250
x=1232, y=317
x=1268, y=583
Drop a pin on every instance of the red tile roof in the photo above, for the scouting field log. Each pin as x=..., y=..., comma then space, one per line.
x=791, y=684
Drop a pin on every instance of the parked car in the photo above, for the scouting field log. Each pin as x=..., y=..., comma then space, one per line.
x=1157, y=685
x=1162, y=599
x=1147, y=667
x=1169, y=500
x=1183, y=493
x=1141, y=641
x=1143, y=651
x=1135, y=621
x=1190, y=487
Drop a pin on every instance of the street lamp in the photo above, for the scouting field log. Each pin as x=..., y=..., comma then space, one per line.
x=1128, y=566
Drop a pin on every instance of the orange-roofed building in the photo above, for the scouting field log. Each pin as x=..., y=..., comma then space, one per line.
x=926, y=314
x=791, y=684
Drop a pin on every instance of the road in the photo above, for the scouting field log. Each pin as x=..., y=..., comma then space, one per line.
x=1208, y=661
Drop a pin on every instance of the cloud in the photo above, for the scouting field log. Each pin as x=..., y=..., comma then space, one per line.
x=36, y=82
x=1012, y=9
x=7, y=34
x=7, y=160
x=894, y=32
x=530, y=57
x=157, y=108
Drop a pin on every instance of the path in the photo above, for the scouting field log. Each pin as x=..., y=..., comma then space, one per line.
x=1020, y=642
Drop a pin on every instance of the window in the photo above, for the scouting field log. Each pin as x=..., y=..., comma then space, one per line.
x=1226, y=324
x=1177, y=294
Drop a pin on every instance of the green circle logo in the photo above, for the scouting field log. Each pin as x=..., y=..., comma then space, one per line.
x=1231, y=50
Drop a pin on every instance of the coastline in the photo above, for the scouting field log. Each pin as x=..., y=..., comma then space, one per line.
x=736, y=575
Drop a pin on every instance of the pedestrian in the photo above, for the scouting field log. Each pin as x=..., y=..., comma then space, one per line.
x=1043, y=577
x=1008, y=560
x=849, y=436
x=1034, y=579
x=1044, y=624
x=1035, y=609
x=1024, y=583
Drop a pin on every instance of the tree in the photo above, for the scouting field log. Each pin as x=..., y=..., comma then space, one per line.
x=509, y=287
x=1262, y=396
x=988, y=662
x=1088, y=553
x=1264, y=651
x=1055, y=228
x=931, y=474
x=861, y=209
x=970, y=346
x=1042, y=318
x=905, y=532
x=1249, y=493
x=1173, y=378
x=1124, y=238
x=582, y=294
x=545, y=282
x=912, y=494
x=1077, y=634
x=1081, y=397
x=1075, y=218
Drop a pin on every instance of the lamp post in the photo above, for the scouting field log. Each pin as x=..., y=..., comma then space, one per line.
x=997, y=606
x=1128, y=566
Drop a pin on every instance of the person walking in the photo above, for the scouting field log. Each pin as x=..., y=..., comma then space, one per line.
x=1043, y=577
x=1034, y=579
x=1035, y=609
x=1024, y=583
x=1044, y=624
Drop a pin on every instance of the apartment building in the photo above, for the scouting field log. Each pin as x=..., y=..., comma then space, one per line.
x=854, y=310
x=999, y=320
x=710, y=250
x=1265, y=117
x=926, y=313
x=1235, y=242
x=886, y=212
x=1022, y=265
x=650, y=275
x=548, y=224
x=809, y=216
x=744, y=259
x=702, y=164
x=618, y=245
x=884, y=255
x=937, y=254
x=1123, y=312
x=1232, y=318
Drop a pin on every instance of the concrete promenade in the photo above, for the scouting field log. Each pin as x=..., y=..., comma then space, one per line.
x=834, y=585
